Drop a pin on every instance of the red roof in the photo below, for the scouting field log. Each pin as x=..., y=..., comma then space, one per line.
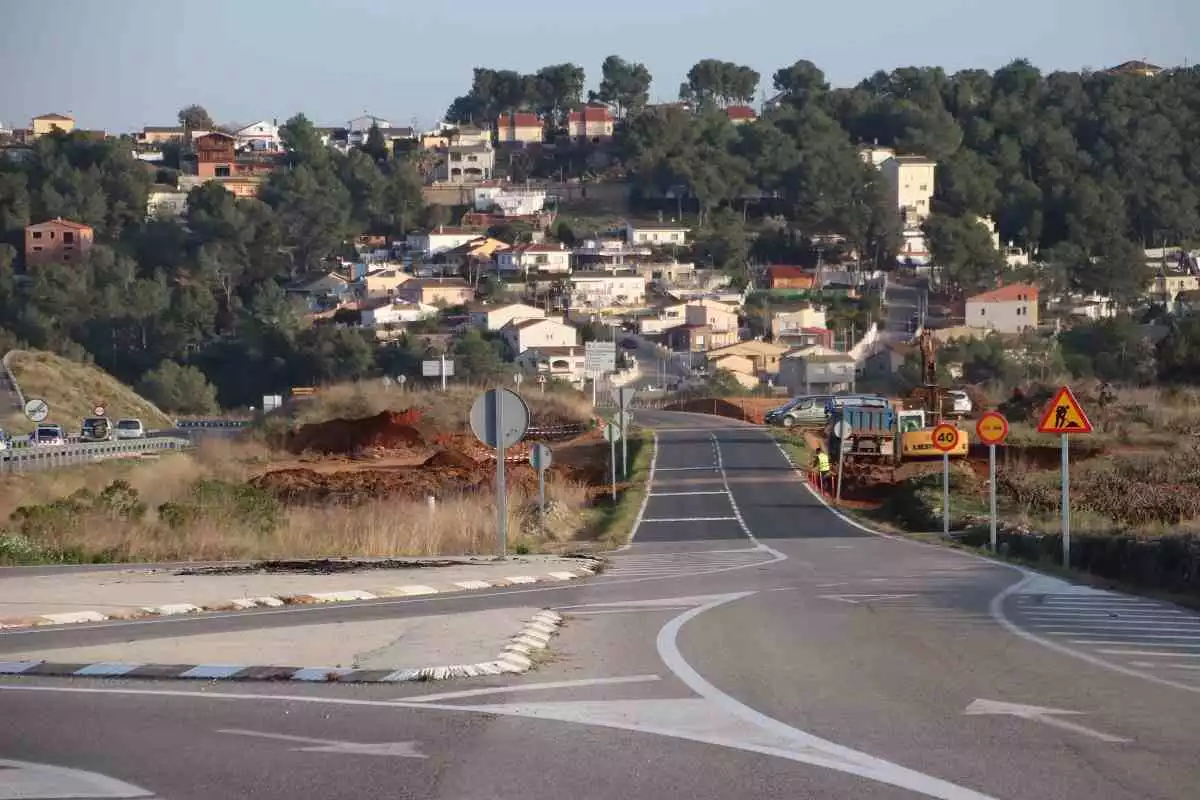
x=66, y=223
x=592, y=114
x=782, y=271
x=740, y=112
x=1014, y=292
x=521, y=119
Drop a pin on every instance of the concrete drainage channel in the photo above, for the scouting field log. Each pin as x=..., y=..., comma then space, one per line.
x=517, y=657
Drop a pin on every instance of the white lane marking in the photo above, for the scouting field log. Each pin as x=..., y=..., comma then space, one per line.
x=856, y=599
x=485, y=585
x=737, y=512
x=532, y=687
x=1030, y=583
x=396, y=749
x=691, y=519
x=637, y=522
x=1157, y=665
x=1135, y=640
x=1150, y=653
x=1105, y=614
x=685, y=494
x=1175, y=637
x=1046, y=716
x=74, y=617
x=687, y=469
x=1172, y=624
x=607, y=611
x=25, y=780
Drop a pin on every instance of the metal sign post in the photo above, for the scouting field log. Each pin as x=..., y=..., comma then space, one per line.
x=443, y=372
x=945, y=438
x=541, y=379
x=517, y=379
x=539, y=459
x=611, y=434
x=499, y=419
x=440, y=366
x=992, y=429
x=1064, y=417
x=625, y=395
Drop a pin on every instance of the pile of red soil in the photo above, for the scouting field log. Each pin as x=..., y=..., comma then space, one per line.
x=386, y=431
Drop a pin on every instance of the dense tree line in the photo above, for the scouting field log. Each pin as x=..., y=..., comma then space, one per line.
x=207, y=290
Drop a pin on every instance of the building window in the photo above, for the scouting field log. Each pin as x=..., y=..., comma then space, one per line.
x=983, y=312
x=68, y=238
x=222, y=171
x=924, y=187
x=37, y=234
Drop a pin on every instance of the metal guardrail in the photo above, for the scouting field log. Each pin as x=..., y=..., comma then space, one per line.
x=31, y=459
x=184, y=424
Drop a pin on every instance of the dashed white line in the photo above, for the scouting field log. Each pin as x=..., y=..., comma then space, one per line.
x=691, y=519
x=1153, y=653
x=685, y=494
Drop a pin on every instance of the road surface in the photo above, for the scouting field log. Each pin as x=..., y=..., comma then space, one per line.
x=748, y=643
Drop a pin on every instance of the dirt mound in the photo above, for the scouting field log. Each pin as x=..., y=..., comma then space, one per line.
x=455, y=459
x=386, y=431
x=308, y=487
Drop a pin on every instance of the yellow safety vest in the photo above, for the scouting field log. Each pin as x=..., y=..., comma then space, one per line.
x=822, y=462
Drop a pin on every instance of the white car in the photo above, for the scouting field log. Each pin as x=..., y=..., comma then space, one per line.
x=48, y=436
x=960, y=402
x=130, y=429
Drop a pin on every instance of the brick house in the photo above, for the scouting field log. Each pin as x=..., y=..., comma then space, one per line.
x=58, y=241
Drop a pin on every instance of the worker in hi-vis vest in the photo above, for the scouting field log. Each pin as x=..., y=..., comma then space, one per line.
x=821, y=464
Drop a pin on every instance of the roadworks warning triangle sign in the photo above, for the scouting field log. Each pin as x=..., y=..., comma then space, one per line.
x=1065, y=415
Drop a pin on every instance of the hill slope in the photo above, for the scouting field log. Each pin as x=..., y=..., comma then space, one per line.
x=72, y=390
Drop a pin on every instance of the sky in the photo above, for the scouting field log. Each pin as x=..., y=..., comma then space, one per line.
x=118, y=65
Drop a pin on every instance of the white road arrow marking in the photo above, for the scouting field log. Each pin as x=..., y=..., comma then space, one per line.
x=856, y=599
x=22, y=780
x=1047, y=716
x=398, y=749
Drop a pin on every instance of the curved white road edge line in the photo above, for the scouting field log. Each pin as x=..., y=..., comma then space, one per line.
x=996, y=606
x=809, y=749
x=637, y=523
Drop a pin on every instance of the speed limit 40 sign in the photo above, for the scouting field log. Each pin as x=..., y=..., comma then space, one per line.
x=945, y=437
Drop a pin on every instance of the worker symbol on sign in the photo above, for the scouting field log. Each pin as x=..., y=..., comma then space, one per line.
x=1065, y=415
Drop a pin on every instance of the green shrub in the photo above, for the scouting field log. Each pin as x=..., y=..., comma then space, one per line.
x=221, y=502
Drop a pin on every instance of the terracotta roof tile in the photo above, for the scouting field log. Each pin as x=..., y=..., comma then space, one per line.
x=740, y=112
x=521, y=119
x=1007, y=294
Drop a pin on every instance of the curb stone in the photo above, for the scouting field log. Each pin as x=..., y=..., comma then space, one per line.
x=514, y=659
x=588, y=568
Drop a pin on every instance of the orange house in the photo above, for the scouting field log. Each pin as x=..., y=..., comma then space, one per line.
x=785, y=277
x=57, y=241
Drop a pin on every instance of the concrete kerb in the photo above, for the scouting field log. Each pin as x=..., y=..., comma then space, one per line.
x=514, y=659
x=587, y=568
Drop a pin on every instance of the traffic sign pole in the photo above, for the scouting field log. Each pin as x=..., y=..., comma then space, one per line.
x=501, y=483
x=1064, y=417
x=612, y=458
x=992, y=429
x=1066, y=500
x=946, y=495
x=992, y=485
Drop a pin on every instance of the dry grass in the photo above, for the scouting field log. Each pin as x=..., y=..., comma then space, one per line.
x=73, y=389
x=447, y=411
x=157, y=479
x=464, y=525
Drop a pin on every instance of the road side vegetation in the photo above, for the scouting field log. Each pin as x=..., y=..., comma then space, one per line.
x=611, y=524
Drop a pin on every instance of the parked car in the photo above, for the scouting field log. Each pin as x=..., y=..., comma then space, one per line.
x=5, y=440
x=858, y=400
x=130, y=429
x=48, y=435
x=96, y=429
x=803, y=410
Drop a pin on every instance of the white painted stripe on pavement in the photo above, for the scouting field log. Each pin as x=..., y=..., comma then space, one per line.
x=213, y=671
x=563, y=576
x=243, y=603
x=271, y=602
x=692, y=519
x=1133, y=641
x=68, y=617
x=105, y=668
x=532, y=687
x=1158, y=665
x=521, y=579
x=1122, y=652
x=684, y=494
x=342, y=596
x=172, y=609
x=687, y=469
x=473, y=584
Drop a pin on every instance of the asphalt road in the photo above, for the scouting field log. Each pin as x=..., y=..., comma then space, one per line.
x=748, y=643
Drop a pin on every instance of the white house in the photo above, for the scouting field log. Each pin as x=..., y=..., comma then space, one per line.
x=564, y=363
x=165, y=202
x=607, y=289
x=389, y=312
x=262, y=135
x=443, y=238
x=656, y=235
x=526, y=258
x=1005, y=309
x=512, y=202
x=547, y=332
x=493, y=318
